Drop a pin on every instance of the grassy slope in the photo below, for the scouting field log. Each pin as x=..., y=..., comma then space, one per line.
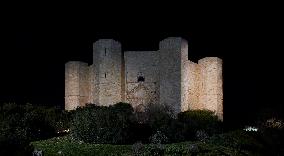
x=66, y=146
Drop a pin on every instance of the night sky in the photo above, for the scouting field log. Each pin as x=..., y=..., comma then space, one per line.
x=37, y=43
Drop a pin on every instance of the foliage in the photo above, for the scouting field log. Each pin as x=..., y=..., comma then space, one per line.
x=194, y=121
x=273, y=123
x=116, y=124
x=272, y=137
x=21, y=124
x=67, y=146
x=239, y=140
x=119, y=124
x=189, y=125
x=201, y=135
x=100, y=124
x=159, y=138
x=137, y=149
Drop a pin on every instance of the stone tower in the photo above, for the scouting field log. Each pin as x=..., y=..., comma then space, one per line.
x=211, y=88
x=173, y=54
x=77, y=84
x=165, y=76
x=107, y=72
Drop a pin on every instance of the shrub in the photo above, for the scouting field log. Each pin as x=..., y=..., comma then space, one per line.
x=159, y=138
x=157, y=116
x=154, y=149
x=201, y=135
x=189, y=125
x=21, y=124
x=101, y=124
x=272, y=137
x=199, y=120
x=239, y=140
x=158, y=119
x=137, y=149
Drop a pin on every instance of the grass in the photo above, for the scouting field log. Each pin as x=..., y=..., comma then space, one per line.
x=66, y=146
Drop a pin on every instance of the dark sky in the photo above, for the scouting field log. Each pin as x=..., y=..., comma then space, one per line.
x=37, y=43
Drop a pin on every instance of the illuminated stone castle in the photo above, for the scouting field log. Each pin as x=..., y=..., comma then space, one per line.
x=165, y=76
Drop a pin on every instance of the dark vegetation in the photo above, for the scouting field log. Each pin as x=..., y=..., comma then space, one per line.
x=119, y=130
x=119, y=124
x=21, y=124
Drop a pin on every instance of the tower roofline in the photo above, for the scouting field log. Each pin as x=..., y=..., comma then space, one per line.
x=106, y=41
x=171, y=42
x=75, y=62
x=174, y=38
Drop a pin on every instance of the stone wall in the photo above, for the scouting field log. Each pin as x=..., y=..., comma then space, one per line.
x=211, y=88
x=170, y=73
x=84, y=84
x=142, y=77
x=77, y=86
x=91, y=84
x=185, y=79
x=194, y=86
x=107, y=67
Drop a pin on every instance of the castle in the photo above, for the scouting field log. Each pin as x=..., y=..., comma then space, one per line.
x=165, y=76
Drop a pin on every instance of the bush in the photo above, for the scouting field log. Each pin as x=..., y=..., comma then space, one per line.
x=272, y=137
x=195, y=121
x=239, y=140
x=99, y=124
x=154, y=149
x=21, y=124
x=202, y=136
x=159, y=138
x=189, y=125
x=159, y=120
x=157, y=116
x=137, y=149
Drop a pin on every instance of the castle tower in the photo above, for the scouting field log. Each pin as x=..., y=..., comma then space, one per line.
x=107, y=64
x=194, y=86
x=173, y=57
x=77, y=86
x=211, y=85
x=185, y=78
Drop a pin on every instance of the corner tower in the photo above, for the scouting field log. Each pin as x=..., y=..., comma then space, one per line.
x=172, y=62
x=107, y=64
x=211, y=89
x=77, y=84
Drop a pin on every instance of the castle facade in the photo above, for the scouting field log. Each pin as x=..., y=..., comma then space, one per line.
x=164, y=76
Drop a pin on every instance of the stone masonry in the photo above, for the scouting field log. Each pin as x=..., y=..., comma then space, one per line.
x=165, y=77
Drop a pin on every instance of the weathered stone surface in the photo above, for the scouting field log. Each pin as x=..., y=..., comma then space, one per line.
x=211, y=88
x=77, y=88
x=194, y=85
x=170, y=73
x=142, y=77
x=107, y=62
x=165, y=76
x=185, y=76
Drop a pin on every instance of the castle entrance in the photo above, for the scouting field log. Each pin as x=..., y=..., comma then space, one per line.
x=139, y=97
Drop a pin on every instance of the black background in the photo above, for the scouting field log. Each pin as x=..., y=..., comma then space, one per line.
x=38, y=40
